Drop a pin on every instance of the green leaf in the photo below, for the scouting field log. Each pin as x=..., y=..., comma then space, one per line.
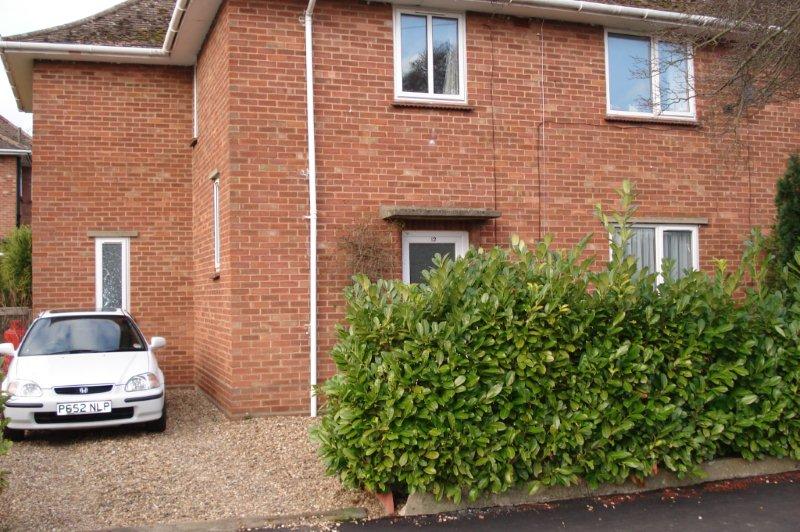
x=749, y=399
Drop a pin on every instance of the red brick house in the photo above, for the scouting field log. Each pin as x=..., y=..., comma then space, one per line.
x=15, y=177
x=182, y=149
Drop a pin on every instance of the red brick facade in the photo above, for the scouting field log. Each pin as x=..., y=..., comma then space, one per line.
x=112, y=153
x=8, y=194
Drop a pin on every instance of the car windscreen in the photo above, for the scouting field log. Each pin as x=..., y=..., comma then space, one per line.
x=81, y=334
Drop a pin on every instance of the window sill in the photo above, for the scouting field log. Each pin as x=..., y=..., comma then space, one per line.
x=427, y=104
x=666, y=120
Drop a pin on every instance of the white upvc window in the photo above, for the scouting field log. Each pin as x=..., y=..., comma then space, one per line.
x=215, y=220
x=112, y=273
x=420, y=247
x=430, y=54
x=648, y=77
x=650, y=244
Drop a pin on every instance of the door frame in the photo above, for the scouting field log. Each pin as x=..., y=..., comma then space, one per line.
x=459, y=238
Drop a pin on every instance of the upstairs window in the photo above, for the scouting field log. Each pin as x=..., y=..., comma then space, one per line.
x=651, y=244
x=648, y=77
x=429, y=55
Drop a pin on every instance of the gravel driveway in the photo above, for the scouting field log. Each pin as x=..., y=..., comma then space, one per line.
x=203, y=467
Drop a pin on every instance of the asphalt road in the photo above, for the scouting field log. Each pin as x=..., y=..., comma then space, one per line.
x=764, y=503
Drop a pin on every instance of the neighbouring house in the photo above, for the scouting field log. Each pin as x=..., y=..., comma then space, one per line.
x=187, y=168
x=15, y=177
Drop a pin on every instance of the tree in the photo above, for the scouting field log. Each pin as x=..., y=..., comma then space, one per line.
x=787, y=204
x=758, y=46
x=15, y=268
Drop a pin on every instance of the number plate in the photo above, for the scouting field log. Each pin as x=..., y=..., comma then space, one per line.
x=78, y=409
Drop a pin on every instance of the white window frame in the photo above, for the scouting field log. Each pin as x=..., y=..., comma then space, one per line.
x=659, y=243
x=125, y=274
x=459, y=238
x=430, y=96
x=215, y=220
x=655, y=82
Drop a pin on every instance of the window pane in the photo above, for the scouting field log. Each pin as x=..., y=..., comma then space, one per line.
x=414, y=52
x=64, y=335
x=629, y=73
x=642, y=246
x=420, y=258
x=678, y=248
x=215, y=214
x=674, y=77
x=445, y=55
x=112, y=275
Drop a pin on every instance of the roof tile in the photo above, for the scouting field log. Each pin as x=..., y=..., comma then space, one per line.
x=12, y=137
x=136, y=23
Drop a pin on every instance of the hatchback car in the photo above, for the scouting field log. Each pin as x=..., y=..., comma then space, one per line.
x=83, y=369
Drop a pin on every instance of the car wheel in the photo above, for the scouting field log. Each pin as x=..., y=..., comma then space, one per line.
x=13, y=434
x=160, y=424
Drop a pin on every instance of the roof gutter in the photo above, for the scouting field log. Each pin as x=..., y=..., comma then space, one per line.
x=92, y=49
x=175, y=24
x=312, y=206
x=4, y=151
x=572, y=10
x=596, y=8
x=108, y=51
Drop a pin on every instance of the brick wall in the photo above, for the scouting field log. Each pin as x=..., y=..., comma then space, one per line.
x=8, y=194
x=112, y=154
x=212, y=299
x=25, y=200
x=268, y=196
x=536, y=145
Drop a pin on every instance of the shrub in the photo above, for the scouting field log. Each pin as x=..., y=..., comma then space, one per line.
x=367, y=250
x=528, y=366
x=787, y=212
x=15, y=267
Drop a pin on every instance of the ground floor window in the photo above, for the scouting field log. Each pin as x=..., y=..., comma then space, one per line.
x=651, y=244
x=112, y=273
x=419, y=248
x=215, y=221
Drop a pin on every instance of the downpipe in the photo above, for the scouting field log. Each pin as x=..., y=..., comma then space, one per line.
x=312, y=205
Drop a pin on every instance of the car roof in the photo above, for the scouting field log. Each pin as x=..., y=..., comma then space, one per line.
x=78, y=312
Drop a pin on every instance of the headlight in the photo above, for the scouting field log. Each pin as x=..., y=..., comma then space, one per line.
x=24, y=389
x=145, y=381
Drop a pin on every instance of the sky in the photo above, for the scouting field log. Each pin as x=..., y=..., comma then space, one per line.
x=23, y=16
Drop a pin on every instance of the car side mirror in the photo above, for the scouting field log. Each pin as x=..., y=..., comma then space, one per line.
x=157, y=342
x=7, y=349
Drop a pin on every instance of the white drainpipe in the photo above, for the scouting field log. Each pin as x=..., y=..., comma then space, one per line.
x=312, y=206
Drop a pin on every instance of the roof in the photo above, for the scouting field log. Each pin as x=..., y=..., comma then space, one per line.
x=13, y=137
x=143, y=23
x=136, y=23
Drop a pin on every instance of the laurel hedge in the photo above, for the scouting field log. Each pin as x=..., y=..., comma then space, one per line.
x=528, y=365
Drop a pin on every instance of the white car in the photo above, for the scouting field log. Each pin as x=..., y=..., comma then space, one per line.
x=83, y=369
